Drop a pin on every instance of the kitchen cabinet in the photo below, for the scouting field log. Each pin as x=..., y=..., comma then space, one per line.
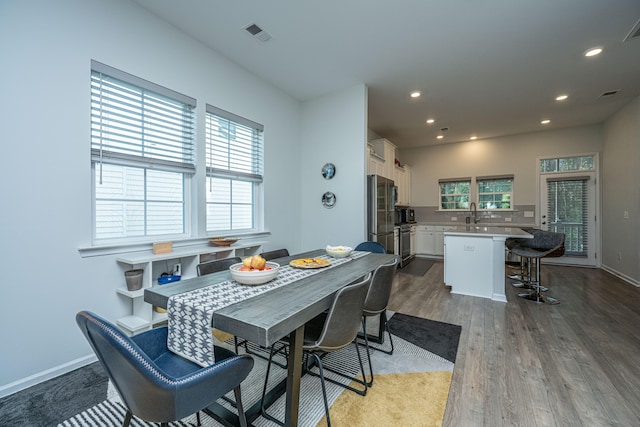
x=430, y=239
x=376, y=165
x=142, y=316
x=385, y=150
x=396, y=240
x=402, y=180
x=413, y=239
x=425, y=243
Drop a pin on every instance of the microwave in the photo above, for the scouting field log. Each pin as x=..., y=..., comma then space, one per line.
x=407, y=215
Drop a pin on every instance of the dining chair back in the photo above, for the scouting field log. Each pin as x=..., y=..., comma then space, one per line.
x=278, y=253
x=155, y=384
x=216, y=265
x=328, y=332
x=369, y=246
x=376, y=305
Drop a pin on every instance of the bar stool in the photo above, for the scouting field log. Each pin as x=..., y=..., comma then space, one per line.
x=544, y=244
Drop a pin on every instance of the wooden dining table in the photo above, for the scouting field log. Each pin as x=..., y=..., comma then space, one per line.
x=266, y=318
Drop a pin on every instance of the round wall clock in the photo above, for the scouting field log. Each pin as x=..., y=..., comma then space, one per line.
x=328, y=171
x=328, y=200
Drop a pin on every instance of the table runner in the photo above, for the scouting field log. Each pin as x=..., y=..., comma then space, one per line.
x=190, y=314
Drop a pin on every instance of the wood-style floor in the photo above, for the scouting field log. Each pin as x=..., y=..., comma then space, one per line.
x=528, y=364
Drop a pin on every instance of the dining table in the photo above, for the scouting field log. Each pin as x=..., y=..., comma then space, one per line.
x=266, y=318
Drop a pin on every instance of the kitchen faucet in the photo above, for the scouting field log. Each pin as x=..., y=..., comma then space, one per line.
x=474, y=212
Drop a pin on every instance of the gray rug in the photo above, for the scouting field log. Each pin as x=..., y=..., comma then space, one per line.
x=417, y=267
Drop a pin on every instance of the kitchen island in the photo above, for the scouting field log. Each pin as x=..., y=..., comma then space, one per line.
x=474, y=258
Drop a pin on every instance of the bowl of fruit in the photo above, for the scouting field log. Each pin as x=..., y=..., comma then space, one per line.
x=339, y=251
x=254, y=270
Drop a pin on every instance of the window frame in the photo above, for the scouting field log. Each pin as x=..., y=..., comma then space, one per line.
x=441, y=202
x=494, y=178
x=172, y=147
x=247, y=166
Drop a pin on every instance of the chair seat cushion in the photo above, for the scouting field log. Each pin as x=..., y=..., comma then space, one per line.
x=176, y=366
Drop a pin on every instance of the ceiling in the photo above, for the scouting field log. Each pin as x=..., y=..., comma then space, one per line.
x=487, y=68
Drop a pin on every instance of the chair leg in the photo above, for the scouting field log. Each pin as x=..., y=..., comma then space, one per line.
x=324, y=388
x=366, y=343
x=127, y=419
x=537, y=293
x=263, y=410
x=241, y=415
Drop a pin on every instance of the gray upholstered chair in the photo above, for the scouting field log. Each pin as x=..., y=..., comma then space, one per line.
x=376, y=305
x=330, y=331
x=216, y=265
x=155, y=384
x=278, y=253
x=544, y=244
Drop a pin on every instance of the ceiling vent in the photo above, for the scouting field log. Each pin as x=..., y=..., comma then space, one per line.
x=257, y=32
x=634, y=33
x=609, y=93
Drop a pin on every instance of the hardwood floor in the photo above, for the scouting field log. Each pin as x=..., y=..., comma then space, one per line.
x=527, y=364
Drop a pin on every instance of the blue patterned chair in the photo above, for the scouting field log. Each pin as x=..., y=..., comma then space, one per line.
x=374, y=247
x=155, y=384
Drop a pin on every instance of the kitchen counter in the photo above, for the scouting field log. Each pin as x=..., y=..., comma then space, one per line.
x=474, y=258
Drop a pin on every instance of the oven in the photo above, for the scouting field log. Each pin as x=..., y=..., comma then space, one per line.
x=405, y=244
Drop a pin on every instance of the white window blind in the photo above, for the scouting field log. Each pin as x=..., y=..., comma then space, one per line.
x=142, y=152
x=567, y=201
x=234, y=158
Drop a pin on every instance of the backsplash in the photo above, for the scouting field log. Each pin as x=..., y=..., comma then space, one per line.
x=431, y=214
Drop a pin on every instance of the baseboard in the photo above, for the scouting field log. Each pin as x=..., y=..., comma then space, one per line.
x=34, y=379
x=621, y=276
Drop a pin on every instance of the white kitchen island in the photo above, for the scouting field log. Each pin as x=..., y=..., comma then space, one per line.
x=474, y=259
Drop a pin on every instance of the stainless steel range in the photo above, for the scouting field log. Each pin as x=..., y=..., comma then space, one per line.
x=405, y=244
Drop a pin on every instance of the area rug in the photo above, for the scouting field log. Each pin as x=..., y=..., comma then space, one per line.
x=410, y=386
x=417, y=267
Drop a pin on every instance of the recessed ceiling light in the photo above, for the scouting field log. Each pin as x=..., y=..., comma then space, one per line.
x=415, y=94
x=593, y=51
x=473, y=137
x=430, y=121
x=439, y=136
x=561, y=97
x=545, y=122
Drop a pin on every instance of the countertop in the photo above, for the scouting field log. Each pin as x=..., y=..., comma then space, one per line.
x=478, y=230
x=481, y=224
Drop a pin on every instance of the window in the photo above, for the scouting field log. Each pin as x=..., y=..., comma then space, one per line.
x=454, y=193
x=142, y=155
x=564, y=164
x=495, y=192
x=234, y=158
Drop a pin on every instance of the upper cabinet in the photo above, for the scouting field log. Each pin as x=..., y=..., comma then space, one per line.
x=382, y=161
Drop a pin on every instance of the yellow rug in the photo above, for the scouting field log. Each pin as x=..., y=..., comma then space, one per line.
x=408, y=400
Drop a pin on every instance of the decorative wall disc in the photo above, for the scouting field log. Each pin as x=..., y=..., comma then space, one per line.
x=328, y=200
x=329, y=171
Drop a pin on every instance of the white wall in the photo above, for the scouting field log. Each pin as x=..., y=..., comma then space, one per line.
x=334, y=130
x=621, y=192
x=516, y=154
x=46, y=51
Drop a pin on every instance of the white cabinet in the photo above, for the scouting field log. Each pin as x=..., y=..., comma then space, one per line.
x=143, y=316
x=402, y=180
x=412, y=239
x=376, y=165
x=430, y=239
x=425, y=242
x=396, y=240
x=385, y=150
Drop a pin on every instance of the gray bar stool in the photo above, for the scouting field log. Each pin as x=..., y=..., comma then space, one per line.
x=544, y=244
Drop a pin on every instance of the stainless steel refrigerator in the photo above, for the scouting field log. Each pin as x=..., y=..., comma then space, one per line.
x=381, y=199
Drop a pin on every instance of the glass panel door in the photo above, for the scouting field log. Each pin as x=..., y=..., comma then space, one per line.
x=567, y=206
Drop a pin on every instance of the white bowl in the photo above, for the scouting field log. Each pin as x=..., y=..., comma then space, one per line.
x=339, y=251
x=254, y=277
